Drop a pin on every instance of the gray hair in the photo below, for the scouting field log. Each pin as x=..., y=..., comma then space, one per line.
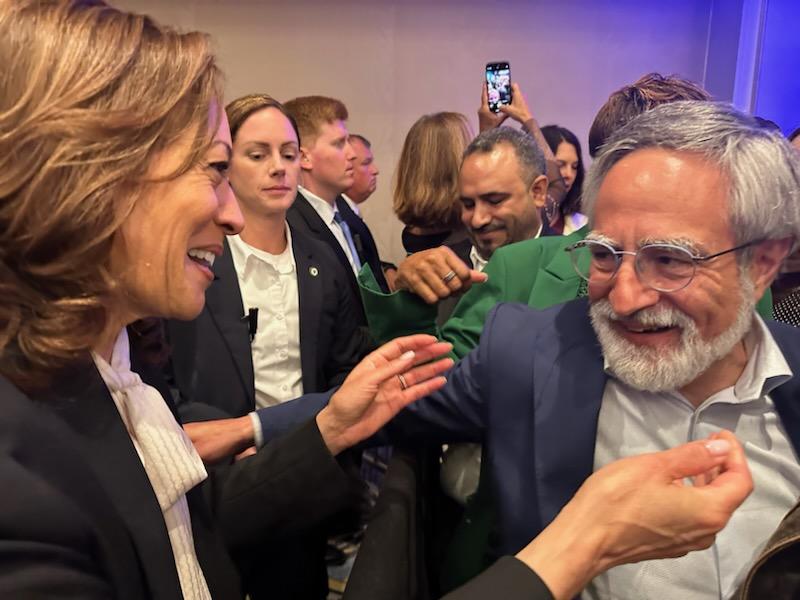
x=761, y=166
x=530, y=157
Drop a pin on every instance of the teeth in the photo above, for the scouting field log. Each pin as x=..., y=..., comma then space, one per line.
x=647, y=329
x=203, y=255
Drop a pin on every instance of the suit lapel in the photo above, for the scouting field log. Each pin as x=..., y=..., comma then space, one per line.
x=786, y=397
x=309, y=292
x=86, y=406
x=567, y=408
x=305, y=217
x=557, y=283
x=224, y=305
x=364, y=242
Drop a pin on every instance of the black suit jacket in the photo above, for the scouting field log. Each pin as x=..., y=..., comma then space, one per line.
x=212, y=363
x=363, y=240
x=79, y=519
x=212, y=367
x=303, y=218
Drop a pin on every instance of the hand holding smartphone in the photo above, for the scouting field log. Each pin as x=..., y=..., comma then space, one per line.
x=498, y=85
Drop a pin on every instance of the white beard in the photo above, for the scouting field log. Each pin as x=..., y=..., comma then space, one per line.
x=666, y=369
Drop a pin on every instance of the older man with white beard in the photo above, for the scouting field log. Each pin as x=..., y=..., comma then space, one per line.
x=693, y=208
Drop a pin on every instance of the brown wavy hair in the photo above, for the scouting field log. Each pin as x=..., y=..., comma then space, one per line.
x=89, y=95
x=644, y=94
x=426, y=180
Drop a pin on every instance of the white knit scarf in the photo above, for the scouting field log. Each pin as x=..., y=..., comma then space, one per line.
x=168, y=456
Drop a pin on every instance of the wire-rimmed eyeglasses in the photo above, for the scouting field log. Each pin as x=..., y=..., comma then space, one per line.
x=663, y=267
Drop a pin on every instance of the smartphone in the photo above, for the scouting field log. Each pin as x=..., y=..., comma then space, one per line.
x=498, y=85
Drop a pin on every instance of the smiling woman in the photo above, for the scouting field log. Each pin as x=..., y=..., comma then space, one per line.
x=73, y=162
x=165, y=249
x=114, y=204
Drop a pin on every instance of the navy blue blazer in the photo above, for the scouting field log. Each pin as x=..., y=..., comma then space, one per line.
x=531, y=393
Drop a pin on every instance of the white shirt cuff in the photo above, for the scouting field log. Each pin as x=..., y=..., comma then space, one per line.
x=258, y=434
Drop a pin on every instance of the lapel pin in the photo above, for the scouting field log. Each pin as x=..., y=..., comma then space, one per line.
x=313, y=271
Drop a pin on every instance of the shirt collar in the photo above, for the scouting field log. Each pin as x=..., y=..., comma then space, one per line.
x=766, y=366
x=324, y=210
x=352, y=204
x=479, y=263
x=245, y=256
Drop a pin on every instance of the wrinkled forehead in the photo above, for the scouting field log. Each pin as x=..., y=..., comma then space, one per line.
x=656, y=193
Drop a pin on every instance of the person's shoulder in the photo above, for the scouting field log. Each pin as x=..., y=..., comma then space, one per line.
x=787, y=338
x=27, y=421
x=546, y=245
x=518, y=318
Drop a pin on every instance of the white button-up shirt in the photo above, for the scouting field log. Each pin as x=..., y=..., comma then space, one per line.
x=326, y=212
x=269, y=283
x=633, y=422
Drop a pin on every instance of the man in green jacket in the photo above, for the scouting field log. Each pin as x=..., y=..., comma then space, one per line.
x=537, y=272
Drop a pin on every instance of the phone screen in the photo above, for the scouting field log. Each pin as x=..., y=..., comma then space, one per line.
x=498, y=85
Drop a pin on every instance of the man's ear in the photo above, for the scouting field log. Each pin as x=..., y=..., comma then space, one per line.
x=767, y=258
x=306, y=164
x=538, y=191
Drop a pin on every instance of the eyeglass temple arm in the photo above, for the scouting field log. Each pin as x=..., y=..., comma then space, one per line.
x=734, y=249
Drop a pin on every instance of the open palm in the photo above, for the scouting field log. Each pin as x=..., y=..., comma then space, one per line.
x=372, y=394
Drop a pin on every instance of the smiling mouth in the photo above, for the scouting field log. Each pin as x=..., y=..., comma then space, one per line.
x=487, y=232
x=202, y=257
x=640, y=329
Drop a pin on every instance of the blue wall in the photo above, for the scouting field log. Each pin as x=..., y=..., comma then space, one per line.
x=777, y=93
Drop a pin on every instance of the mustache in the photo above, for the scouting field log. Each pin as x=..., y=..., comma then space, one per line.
x=489, y=227
x=650, y=317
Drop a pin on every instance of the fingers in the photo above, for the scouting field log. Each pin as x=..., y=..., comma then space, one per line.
x=732, y=486
x=404, y=362
x=419, y=390
x=694, y=458
x=477, y=276
x=427, y=371
x=244, y=454
x=434, y=274
x=411, y=343
x=428, y=353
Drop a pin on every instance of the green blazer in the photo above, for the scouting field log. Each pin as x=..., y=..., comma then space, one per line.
x=535, y=272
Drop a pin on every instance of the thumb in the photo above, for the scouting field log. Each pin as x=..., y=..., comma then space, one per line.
x=693, y=458
x=477, y=276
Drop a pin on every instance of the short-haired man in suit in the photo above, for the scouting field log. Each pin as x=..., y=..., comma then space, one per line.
x=326, y=160
x=365, y=180
x=365, y=173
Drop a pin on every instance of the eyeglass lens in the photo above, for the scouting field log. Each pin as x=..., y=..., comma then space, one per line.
x=662, y=267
